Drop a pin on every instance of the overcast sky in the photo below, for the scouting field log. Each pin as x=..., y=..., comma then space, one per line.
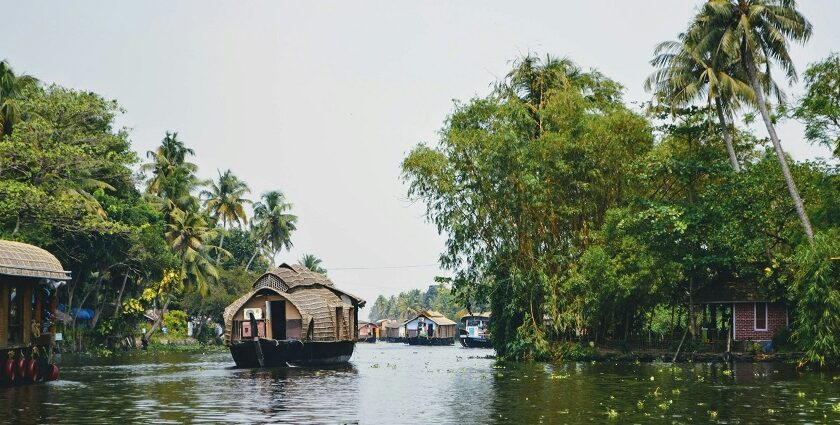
x=322, y=100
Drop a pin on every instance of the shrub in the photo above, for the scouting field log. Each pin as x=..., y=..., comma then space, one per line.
x=176, y=323
x=817, y=294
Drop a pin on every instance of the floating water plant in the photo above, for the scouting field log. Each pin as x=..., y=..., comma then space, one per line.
x=713, y=414
x=612, y=413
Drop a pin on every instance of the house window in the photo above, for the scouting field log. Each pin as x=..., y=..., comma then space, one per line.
x=761, y=316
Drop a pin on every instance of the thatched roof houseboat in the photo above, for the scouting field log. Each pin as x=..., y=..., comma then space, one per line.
x=429, y=328
x=29, y=279
x=392, y=331
x=292, y=316
x=368, y=332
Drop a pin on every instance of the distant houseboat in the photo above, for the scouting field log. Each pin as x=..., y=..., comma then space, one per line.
x=368, y=332
x=29, y=279
x=475, y=331
x=392, y=331
x=429, y=328
x=292, y=316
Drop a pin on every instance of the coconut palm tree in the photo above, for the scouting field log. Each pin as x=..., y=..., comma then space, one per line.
x=186, y=234
x=274, y=224
x=687, y=73
x=225, y=202
x=747, y=31
x=11, y=86
x=173, y=177
x=312, y=263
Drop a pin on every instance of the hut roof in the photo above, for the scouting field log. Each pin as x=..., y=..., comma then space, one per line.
x=434, y=316
x=316, y=304
x=485, y=314
x=20, y=259
x=285, y=277
x=731, y=292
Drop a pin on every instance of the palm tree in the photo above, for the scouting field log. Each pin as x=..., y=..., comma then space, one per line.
x=173, y=178
x=748, y=31
x=312, y=263
x=274, y=224
x=225, y=201
x=686, y=73
x=11, y=86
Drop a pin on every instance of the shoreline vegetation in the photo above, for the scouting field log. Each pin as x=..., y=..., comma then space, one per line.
x=570, y=213
x=576, y=216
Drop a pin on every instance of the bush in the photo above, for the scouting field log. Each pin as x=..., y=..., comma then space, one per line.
x=176, y=323
x=817, y=294
x=782, y=340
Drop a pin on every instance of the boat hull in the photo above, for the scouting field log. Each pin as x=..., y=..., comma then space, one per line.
x=430, y=341
x=369, y=339
x=280, y=353
x=471, y=342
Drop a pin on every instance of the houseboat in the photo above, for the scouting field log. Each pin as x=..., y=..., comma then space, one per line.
x=368, y=332
x=392, y=331
x=29, y=279
x=475, y=331
x=429, y=328
x=292, y=316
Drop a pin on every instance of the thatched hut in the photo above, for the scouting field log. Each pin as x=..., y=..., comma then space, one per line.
x=292, y=307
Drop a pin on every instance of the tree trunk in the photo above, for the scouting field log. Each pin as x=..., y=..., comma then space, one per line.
x=727, y=135
x=159, y=319
x=777, y=146
x=119, y=297
x=221, y=242
x=247, y=267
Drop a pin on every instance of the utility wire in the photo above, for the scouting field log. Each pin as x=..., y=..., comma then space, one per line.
x=415, y=266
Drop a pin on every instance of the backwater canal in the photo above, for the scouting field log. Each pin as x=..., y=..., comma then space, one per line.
x=400, y=384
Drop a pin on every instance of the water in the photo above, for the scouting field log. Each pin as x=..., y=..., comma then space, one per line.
x=399, y=384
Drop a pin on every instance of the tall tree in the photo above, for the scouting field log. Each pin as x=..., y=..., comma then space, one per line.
x=225, y=201
x=313, y=263
x=819, y=108
x=11, y=88
x=173, y=177
x=274, y=223
x=186, y=234
x=746, y=31
x=687, y=73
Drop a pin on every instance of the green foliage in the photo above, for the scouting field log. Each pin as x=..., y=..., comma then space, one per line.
x=519, y=181
x=405, y=305
x=819, y=108
x=176, y=323
x=817, y=311
x=313, y=263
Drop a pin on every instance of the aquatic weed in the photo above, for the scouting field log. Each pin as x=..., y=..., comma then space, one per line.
x=612, y=413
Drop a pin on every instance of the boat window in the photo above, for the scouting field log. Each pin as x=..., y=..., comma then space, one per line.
x=15, y=332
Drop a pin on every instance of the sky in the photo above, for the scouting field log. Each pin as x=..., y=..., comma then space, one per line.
x=323, y=100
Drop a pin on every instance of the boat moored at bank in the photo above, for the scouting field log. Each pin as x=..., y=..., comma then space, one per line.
x=475, y=331
x=429, y=327
x=29, y=281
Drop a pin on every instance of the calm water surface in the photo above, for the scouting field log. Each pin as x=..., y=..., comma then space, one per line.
x=394, y=383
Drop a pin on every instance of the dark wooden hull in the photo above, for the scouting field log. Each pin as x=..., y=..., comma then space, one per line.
x=369, y=339
x=471, y=342
x=394, y=339
x=429, y=341
x=274, y=353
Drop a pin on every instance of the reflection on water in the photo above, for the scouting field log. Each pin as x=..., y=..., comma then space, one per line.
x=393, y=383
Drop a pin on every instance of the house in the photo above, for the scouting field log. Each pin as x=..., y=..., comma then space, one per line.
x=752, y=315
x=429, y=327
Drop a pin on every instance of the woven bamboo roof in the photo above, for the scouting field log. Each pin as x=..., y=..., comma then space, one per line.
x=436, y=317
x=20, y=259
x=285, y=277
